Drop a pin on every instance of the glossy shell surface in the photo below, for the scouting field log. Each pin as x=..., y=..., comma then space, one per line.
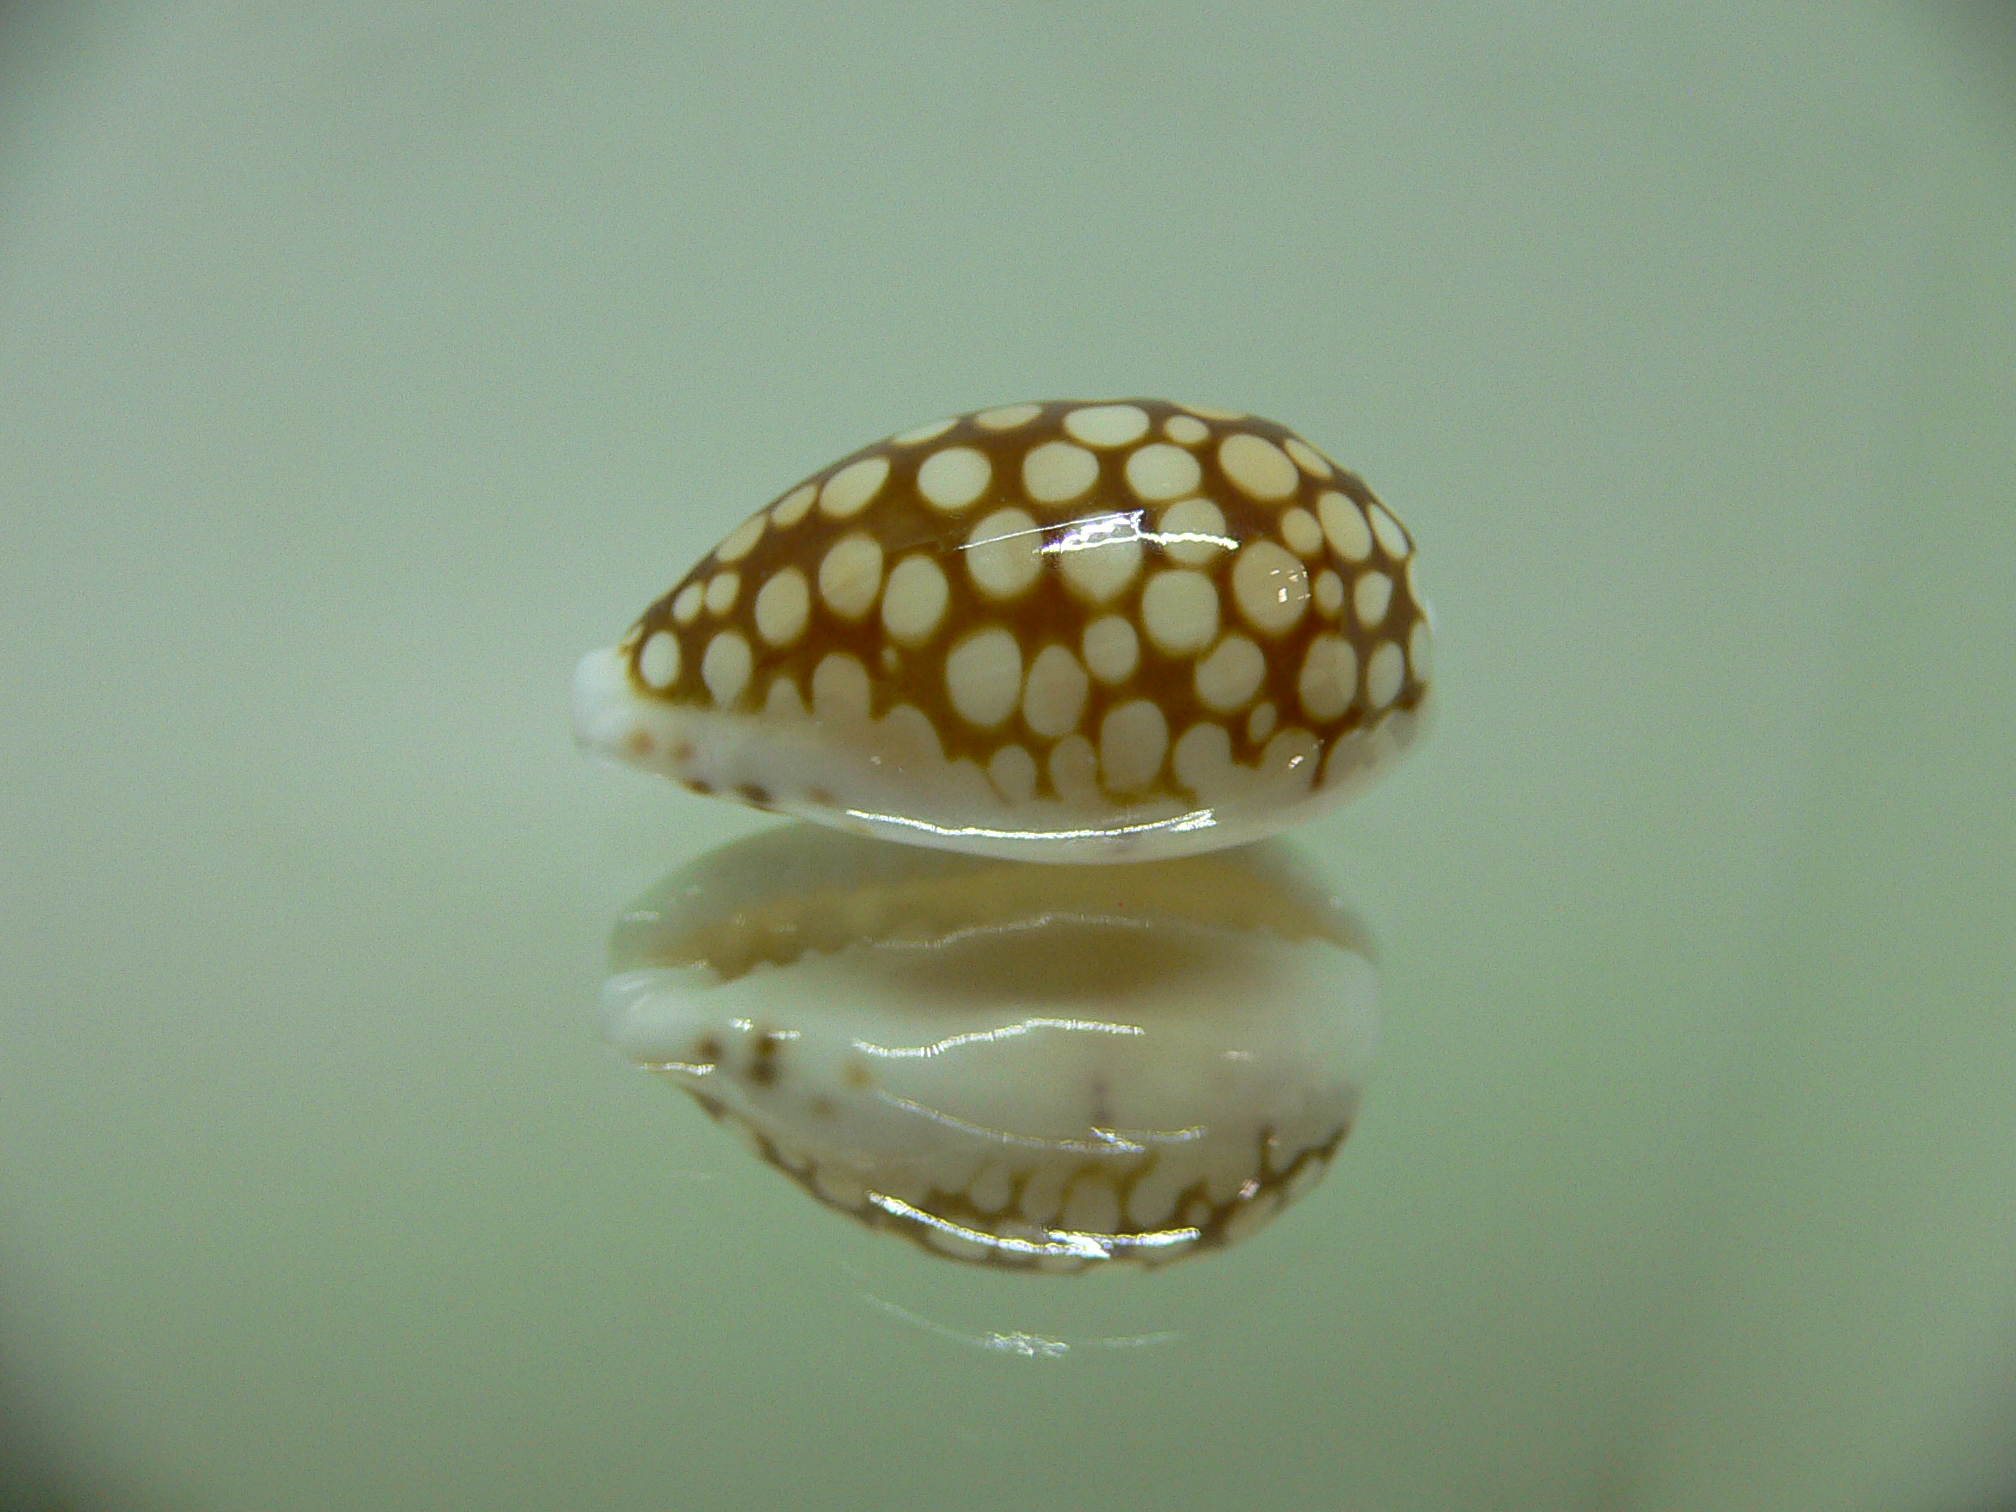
x=1009, y=1065
x=1064, y=632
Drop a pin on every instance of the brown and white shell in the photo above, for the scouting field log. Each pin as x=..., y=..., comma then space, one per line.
x=1046, y=1069
x=1056, y=632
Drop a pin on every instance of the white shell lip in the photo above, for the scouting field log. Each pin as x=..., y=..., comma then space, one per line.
x=1008, y=1065
x=874, y=779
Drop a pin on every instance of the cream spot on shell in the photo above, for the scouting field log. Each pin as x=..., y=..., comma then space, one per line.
x=1054, y=697
x=1293, y=752
x=1100, y=557
x=1344, y=767
x=1012, y=770
x=1385, y=670
x=725, y=667
x=1092, y=1208
x=1193, y=532
x=1202, y=759
x=1133, y=739
x=1345, y=526
x=1310, y=460
x=1392, y=539
x=1270, y=586
x=782, y=607
x=924, y=433
x=1074, y=773
x=1057, y=472
x=953, y=478
x=1329, y=592
x=983, y=676
x=722, y=589
x=1260, y=723
x=1112, y=649
x=991, y=1189
x=741, y=539
x=783, y=700
x=853, y=488
x=1150, y=1200
x=1211, y=413
x=1007, y=417
x=840, y=690
x=658, y=662
x=1186, y=430
x=1179, y=610
x=907, y=740
x=850, y=575
x=1300, y=530
x=686, y=607
x=1042, y=1192
x=1371, y=595
x=913, y=602
x=1004, y=554
x=1259, y=467
x=790, y=509
x=1329, y=679
x=1421, y=651
x=1161, y=471
x=1228, y=678
x=1107, y=424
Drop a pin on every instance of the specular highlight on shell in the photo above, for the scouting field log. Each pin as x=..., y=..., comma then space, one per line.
x=1062, y=631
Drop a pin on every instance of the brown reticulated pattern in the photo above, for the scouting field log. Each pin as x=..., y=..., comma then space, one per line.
x=777, y=589
x=1280, y=1177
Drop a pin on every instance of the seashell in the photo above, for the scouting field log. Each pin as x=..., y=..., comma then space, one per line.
x=1052, y=632
x=1023, y=1067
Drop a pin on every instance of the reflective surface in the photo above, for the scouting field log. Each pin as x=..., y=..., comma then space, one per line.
x=1009, y=1066
x=362, y=365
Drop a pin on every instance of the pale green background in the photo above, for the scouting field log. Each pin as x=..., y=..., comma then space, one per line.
x=362, y=364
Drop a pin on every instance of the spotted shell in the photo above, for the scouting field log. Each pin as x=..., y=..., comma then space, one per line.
x=1022, y=1067
x=1054, y=632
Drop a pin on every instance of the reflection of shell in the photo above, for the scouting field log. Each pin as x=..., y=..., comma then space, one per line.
x=1060, y=632
x=1019, y=1066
